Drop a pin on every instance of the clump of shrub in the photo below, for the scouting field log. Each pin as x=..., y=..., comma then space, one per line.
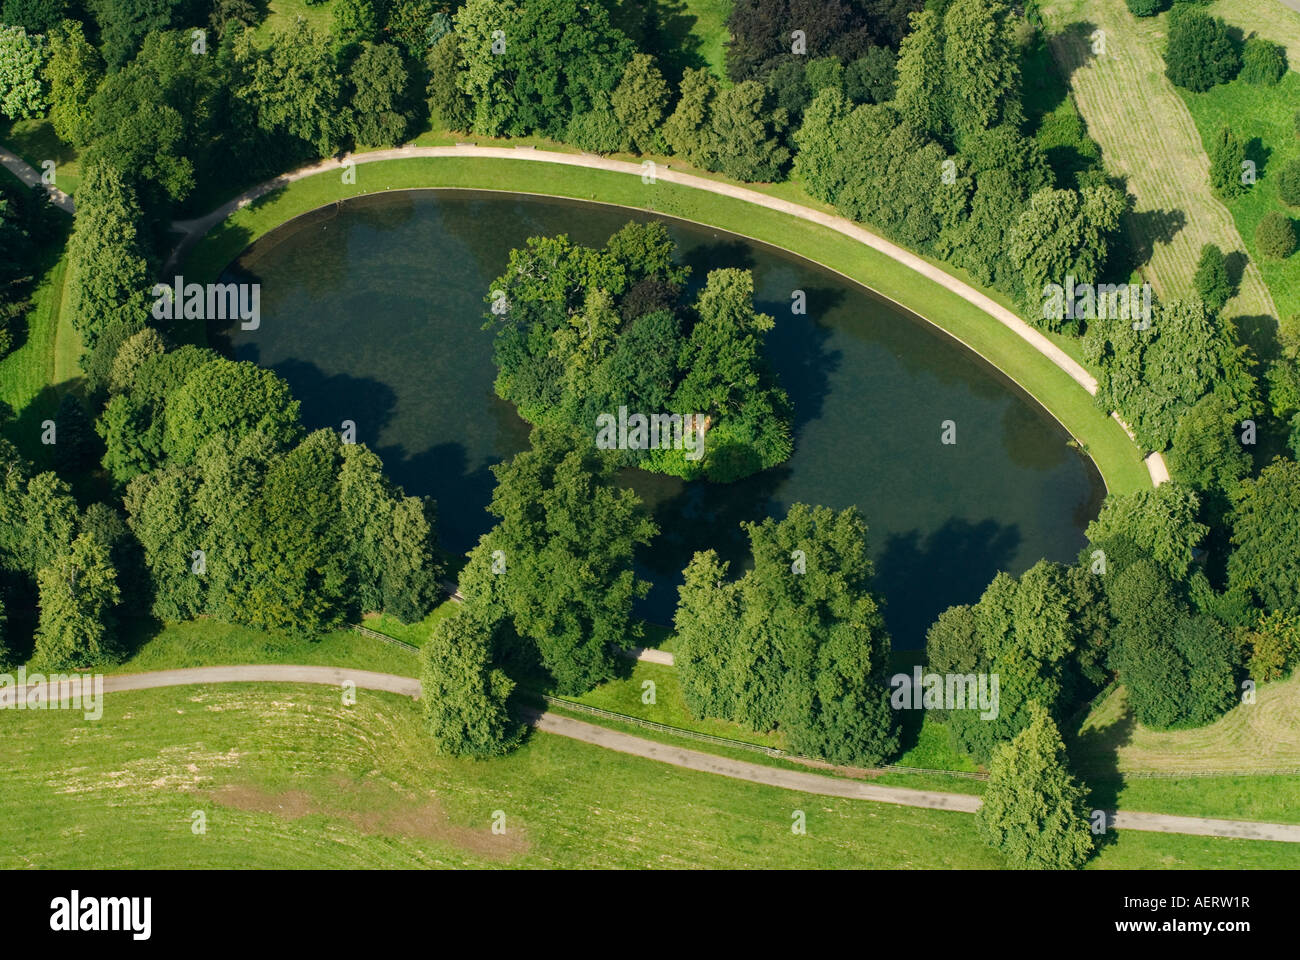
x=1274, y=647
x=1212, y=282
x=1288, y=183
x=1200, y=52
x=1263, y=62
x=1275, y=235
x=1146, y=8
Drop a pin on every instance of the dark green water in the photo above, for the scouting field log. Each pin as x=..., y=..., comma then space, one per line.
x=372, y=311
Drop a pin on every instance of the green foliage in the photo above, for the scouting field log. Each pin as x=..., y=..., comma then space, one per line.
x=872, y=77
x=355, y=22
x=417, y=25
x=22, y=94
x=1266, y=533
x=1178, y=667
x=1153, y=376
x=390, y=538
x=872, y=167
x=1263, y=62
x=598, y=130
x=107, y=272
x=560, y=58
x=448, y=105
x=687, y=131
x=558, y=563
x=1031, y=634
x=38, y=517
x=747, y=133
x=1274, y=646
x=1033, y=811
x=1063, y=233
x=1226, y=156
x=1275, y=235
x=465, y=698
x=158, y=120
x=379, y=95
x=922, y=75
x=797, y=646
x=1288, y=183
x=1146, y=8
x=35, y=16
x=586, y=332
x=78, y=595
x=1211, y=280
x=224, y=400
x=1200, y=52
x=74, y=71
x=132, y=354
x=640, y=100
x=1159, y=524
x=1207, y=452
x=982, y=60
x=123, y=24
x=293, y=87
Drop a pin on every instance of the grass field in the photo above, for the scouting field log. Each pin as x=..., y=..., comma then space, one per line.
x=35, y=141
x=45, y=362
x=287, y=776
x=283, y=14
x=1264, y=118
x=1268, y=18
x=1251, y=737
x=1148, y=137
x=206, y=643
x=710, y=30
x=1115, y=455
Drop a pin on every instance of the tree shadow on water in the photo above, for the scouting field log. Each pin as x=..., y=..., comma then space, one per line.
x=919, y=579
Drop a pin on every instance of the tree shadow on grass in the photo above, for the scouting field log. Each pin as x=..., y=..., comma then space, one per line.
x=1094, y=756
x=1147, y=228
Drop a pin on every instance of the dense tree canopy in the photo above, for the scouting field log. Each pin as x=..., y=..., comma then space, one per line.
x=465, y=697
x=585, y=336
x=1033, y=811
x=800, y=646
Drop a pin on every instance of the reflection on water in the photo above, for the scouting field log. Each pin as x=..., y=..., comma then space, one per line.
x=372, y=310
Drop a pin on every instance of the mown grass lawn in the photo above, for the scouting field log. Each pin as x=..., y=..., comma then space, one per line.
x=1117, y=458
x=35, y=141
x=710, y=31
x=45, y=360
x=1264, y=118
x=1148, y=137
x=205, y=643
x=287, y=776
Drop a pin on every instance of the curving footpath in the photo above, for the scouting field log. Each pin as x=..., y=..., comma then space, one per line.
x=562, y=726
x=192, y=230
x=29, y=175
